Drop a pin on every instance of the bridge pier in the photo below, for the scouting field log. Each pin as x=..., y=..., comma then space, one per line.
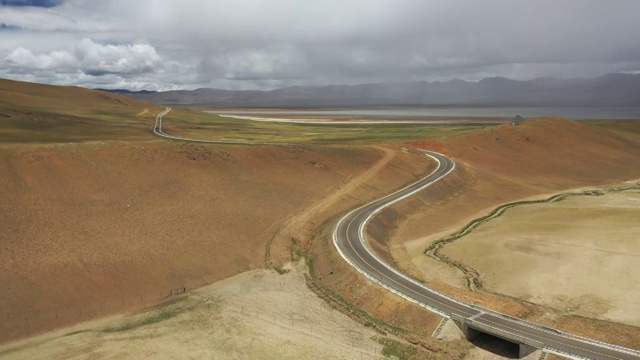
x=469, y=333
x=525, y=350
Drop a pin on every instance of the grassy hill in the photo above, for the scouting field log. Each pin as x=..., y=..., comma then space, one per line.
x=36, y=113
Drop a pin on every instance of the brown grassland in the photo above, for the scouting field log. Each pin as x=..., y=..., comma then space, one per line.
x=100, y=217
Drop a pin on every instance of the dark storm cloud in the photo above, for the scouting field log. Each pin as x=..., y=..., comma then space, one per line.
x=36, y=3
x=360, y=41
x=265, y=44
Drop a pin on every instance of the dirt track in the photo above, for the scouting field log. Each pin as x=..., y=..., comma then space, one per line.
x=303, y=223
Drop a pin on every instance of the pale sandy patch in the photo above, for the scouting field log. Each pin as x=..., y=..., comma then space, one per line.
x=415, y=262
x=257, y=314
x=579, y=256
x=295, y=120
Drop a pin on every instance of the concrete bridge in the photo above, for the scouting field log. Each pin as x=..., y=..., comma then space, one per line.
x=472, y=328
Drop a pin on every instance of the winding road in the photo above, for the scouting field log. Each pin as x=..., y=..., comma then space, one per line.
x=157, y=129
x=349, y=240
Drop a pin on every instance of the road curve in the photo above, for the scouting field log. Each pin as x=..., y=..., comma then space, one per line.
x=349, y=240
x=157, y=129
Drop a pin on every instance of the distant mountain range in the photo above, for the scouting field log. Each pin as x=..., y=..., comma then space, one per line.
x=607, y=90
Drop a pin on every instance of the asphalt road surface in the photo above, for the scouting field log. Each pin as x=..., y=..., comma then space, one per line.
x=348, y=237
x=350, y=241
x=157, y=129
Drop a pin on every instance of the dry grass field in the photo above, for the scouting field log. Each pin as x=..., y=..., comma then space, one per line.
x=578, y=256
x=104, y=218
x=36, y=113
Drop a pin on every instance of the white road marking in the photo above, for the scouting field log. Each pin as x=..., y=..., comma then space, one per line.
x=477, y=311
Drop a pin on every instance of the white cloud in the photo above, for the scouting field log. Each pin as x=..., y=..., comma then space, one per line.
x=24, y=59
x=90, y=58
x=98, y=59
x=263, y=44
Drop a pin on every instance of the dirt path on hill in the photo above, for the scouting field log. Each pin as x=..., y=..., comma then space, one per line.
x=303, y=222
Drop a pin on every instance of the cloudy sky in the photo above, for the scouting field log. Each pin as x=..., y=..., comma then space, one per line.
x=266, y=44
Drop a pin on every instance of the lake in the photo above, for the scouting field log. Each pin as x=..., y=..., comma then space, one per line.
x=443, y=112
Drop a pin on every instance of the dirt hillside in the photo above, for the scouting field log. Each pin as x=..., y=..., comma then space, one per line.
x=506, y=163
x=97, y=228
x=43, y=96
x=258, y=314
x=34, y=113
x=104, y=227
